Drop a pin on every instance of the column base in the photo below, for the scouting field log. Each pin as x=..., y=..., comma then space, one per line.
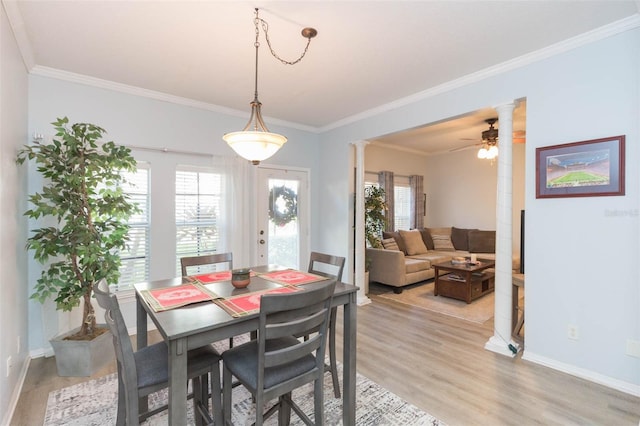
x=363, y=300
x=497, y=345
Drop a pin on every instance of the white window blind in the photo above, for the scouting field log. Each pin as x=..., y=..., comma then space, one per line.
x=198, y=203
x=402, y=204
x=135, y=258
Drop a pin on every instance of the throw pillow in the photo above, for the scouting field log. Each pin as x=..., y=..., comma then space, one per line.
x=460, y=238
x=482, y=241
x=396, y=236
x=442, y=242
x=426, y=238
x=413, y=242
x=390, y=244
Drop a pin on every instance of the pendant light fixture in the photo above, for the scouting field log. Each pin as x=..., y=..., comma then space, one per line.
x=255, y=142
x=489, y=148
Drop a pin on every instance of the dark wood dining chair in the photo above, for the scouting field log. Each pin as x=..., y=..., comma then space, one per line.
x=210, y=259
x=330, y=266
x=145, y=371
x=276, y=363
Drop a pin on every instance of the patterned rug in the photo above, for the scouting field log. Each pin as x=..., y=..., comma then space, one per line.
x=94, y=403
x=421, y=295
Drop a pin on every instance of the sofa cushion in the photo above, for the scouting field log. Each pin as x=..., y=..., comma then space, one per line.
x=413, y=242
x=416, y=265
x=396, y=236
x=426, y=238
x=460, y=238
x=482, y=241
x=390, y=244
x=442, y=242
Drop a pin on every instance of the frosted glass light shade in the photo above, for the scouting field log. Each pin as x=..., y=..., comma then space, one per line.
x=493, y=152
x=255, y=146
x=482, y=153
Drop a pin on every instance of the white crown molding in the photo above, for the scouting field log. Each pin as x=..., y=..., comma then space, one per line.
x=152, y=94
x=603, y=32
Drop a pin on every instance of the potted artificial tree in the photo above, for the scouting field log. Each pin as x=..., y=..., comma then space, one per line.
x=374, y=219
x=83, y=198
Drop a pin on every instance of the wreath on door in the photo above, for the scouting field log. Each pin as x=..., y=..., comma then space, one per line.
x=282, y=213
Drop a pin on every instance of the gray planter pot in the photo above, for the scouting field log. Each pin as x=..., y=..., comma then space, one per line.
x=82, y=358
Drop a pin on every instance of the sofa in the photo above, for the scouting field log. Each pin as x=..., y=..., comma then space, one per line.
x=407, y=256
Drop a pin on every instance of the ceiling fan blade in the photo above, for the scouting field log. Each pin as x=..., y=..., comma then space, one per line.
x=519, y=136
x=462, y=148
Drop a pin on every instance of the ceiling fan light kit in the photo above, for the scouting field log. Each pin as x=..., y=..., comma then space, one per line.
x=489, y=148
x=255, y=143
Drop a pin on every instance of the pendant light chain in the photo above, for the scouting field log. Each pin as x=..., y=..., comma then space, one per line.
x=265, y=28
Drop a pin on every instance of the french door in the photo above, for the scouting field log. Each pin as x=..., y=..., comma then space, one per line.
x=283, y=216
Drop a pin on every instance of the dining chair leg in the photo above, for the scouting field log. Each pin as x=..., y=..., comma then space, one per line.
x=318, y=402
x=197, y=385
x=333, y=366
x=121, y=416
x=216, y=394
x=284, y=410
x=227, y=390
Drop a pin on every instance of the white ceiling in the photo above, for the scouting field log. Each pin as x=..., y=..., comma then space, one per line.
x=367, y=53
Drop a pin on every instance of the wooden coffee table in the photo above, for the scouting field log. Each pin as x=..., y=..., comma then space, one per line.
x=464, y=281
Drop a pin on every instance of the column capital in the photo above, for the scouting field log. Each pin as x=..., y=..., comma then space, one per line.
x=361, y=143
x=506, y=107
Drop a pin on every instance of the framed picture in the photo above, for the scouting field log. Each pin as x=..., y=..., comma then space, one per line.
x=581, y=169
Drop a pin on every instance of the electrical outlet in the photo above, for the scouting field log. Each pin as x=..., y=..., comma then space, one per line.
x=572, y=332
x=633, y=348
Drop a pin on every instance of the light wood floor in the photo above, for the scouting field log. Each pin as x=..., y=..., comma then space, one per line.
x=437, y=363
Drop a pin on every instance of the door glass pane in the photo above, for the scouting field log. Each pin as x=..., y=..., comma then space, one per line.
x=284, y=226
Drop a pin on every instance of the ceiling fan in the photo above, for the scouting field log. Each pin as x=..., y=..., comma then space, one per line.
x=490, y=137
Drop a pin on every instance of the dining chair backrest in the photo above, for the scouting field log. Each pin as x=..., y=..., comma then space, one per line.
x=121, y=341
x=326, y=265
x=329, y=266
x=211, y=259
x=284, y=315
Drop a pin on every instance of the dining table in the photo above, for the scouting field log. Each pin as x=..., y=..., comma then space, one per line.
x=199, y=324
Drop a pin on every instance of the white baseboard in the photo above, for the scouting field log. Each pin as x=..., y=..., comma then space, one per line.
x=600, y=379
x=8, y=416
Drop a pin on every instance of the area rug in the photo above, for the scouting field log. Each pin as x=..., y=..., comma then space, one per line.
x=421, y=296
x=94, y=403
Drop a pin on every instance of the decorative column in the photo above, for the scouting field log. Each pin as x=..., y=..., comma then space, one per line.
x=359, y=243
x=501, y=341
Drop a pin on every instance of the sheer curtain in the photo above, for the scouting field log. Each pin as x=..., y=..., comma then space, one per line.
x=236, y=208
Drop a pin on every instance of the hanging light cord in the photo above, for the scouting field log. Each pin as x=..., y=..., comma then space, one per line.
x=307, y=33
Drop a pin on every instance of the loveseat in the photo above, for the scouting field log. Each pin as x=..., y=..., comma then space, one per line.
x=407, y=256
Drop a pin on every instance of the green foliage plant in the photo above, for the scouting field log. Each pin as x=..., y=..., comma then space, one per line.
x=82, y=192
x=374, y=215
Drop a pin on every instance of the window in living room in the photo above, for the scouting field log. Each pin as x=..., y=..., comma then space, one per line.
x=402, y=203
x=135, y=258
x=198, y=198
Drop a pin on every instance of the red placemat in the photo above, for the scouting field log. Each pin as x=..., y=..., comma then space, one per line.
x=163, y=299
x=249, y=303
x=292, y=277
x=213, y=277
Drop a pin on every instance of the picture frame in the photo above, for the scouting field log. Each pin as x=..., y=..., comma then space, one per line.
x=592, y=168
